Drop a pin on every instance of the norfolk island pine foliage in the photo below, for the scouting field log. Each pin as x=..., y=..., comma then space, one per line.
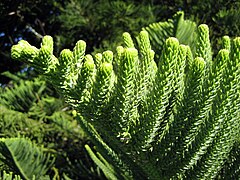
x=167, y=113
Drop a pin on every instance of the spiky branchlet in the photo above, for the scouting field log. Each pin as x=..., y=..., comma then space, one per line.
x=24, y=51
x=98, y=59
x=175, y=119
x=81, y=94
x=203, y=46
x=206, y=125
x=194, y=123
x=224, y=119
x=77, y=61
x=63, y=70
x=125, y=110
x=160, y=105
x=45, y=56
x=185, y=112
x=128, y=40
x=226, y=42
x=147, y=66
x=101, y=92
x=31, y=163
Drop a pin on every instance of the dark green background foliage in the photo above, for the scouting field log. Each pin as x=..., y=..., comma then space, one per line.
x=30, y=108
x=100, y=23
x=20, y=20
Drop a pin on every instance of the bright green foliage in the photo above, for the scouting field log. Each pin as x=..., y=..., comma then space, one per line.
x=203, y=46
x=25, y=157
x=177, y=119
x=226, y=43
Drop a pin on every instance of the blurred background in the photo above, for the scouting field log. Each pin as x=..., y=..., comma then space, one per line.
x=101, y=22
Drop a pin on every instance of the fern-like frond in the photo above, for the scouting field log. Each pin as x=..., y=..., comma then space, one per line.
x=183, y=30
x=13, y=123
x=22, y=95
x=24, y=157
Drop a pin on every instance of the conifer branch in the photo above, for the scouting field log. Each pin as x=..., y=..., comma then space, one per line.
x=177, y=118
